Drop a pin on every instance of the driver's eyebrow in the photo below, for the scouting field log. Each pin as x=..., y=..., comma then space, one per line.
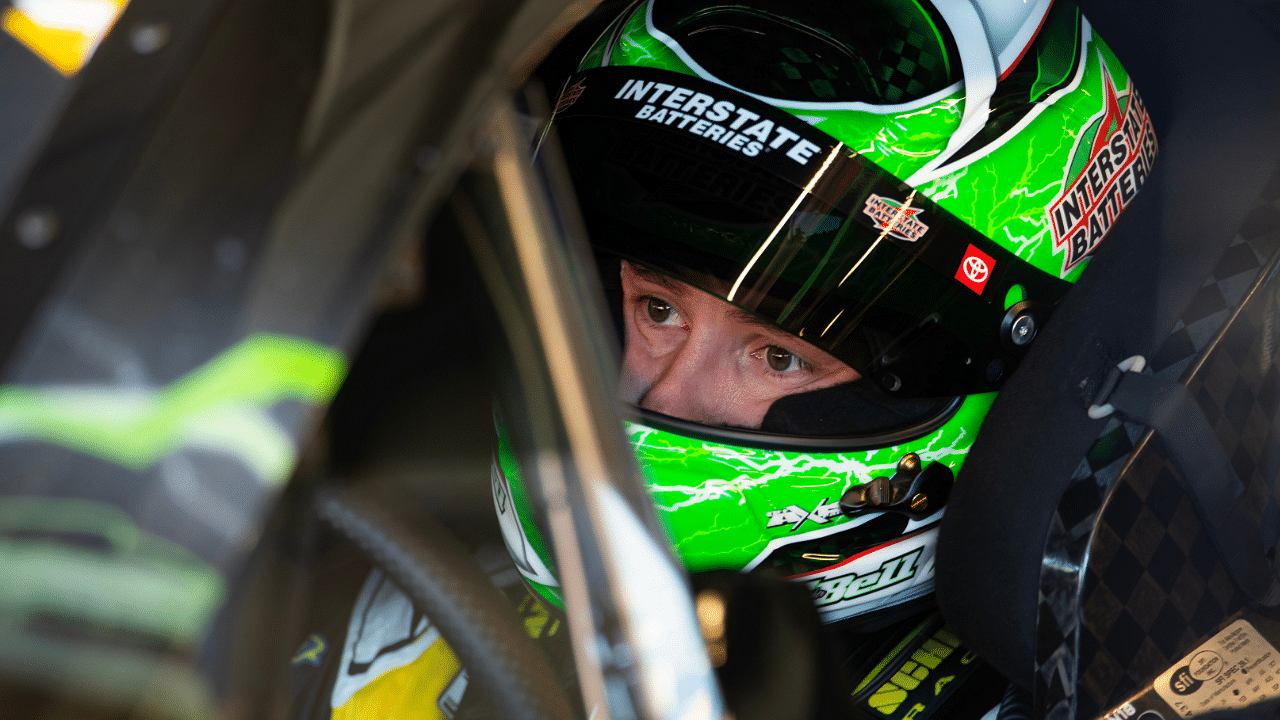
x=675, y=286
x=680, y=289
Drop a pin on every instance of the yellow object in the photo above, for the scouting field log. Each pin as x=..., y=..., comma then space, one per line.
x=405, y=693
x=914, y=671
x=537, y=620
x=914, y=711
x=63, y=33
x=395, y=665
x=887, y=698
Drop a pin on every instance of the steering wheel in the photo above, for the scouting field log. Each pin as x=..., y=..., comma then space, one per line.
x=436, y=571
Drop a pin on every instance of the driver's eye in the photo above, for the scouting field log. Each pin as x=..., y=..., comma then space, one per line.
x=779, y=359
x=659, y=311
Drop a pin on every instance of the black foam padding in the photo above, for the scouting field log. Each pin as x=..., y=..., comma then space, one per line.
x=1207, y=74
x=847, y=409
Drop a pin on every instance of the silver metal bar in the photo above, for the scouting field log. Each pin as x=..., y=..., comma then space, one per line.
x=619, y=575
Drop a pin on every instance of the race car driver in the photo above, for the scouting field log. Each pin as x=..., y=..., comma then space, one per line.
x=833, y=231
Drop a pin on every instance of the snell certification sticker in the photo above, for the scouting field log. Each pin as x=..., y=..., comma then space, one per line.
x=1235, y=669
x=1104, y=175
x=899, y=219
x=975, y=269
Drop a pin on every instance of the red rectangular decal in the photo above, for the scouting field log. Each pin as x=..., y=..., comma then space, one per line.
x=975, y=269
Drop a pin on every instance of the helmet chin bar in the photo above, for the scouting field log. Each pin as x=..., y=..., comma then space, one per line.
x=912, y=491
x=849, y=409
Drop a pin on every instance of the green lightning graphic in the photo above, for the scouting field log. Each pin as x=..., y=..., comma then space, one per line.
x=710, y=494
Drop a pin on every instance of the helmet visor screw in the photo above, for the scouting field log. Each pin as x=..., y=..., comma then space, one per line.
x=919, y=502
x=1023, y=330
x=909, y=464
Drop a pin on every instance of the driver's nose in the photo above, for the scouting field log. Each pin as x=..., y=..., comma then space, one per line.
x=693, y=383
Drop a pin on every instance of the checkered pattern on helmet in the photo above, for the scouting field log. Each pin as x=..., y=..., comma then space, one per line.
x=892, y=54
x=806, y=75
x=909, y=64
x=1063, y=653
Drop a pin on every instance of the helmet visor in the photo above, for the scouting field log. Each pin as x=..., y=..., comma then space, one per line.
x=765, y=212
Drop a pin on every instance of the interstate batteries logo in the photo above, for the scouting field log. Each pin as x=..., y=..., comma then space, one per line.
x=570, y=96
x=899, y=219
x=715, y=119
x=1111, y=161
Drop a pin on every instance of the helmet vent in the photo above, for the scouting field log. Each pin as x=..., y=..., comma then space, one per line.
x=880, y=53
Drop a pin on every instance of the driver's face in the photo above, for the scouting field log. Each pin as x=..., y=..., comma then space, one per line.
x=691, y=355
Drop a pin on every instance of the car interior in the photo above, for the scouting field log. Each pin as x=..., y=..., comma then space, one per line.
x=272, y=270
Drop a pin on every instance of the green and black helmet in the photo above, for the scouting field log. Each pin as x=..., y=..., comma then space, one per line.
x=908, y=186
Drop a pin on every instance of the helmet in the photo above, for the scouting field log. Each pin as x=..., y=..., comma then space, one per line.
x=907, y=187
